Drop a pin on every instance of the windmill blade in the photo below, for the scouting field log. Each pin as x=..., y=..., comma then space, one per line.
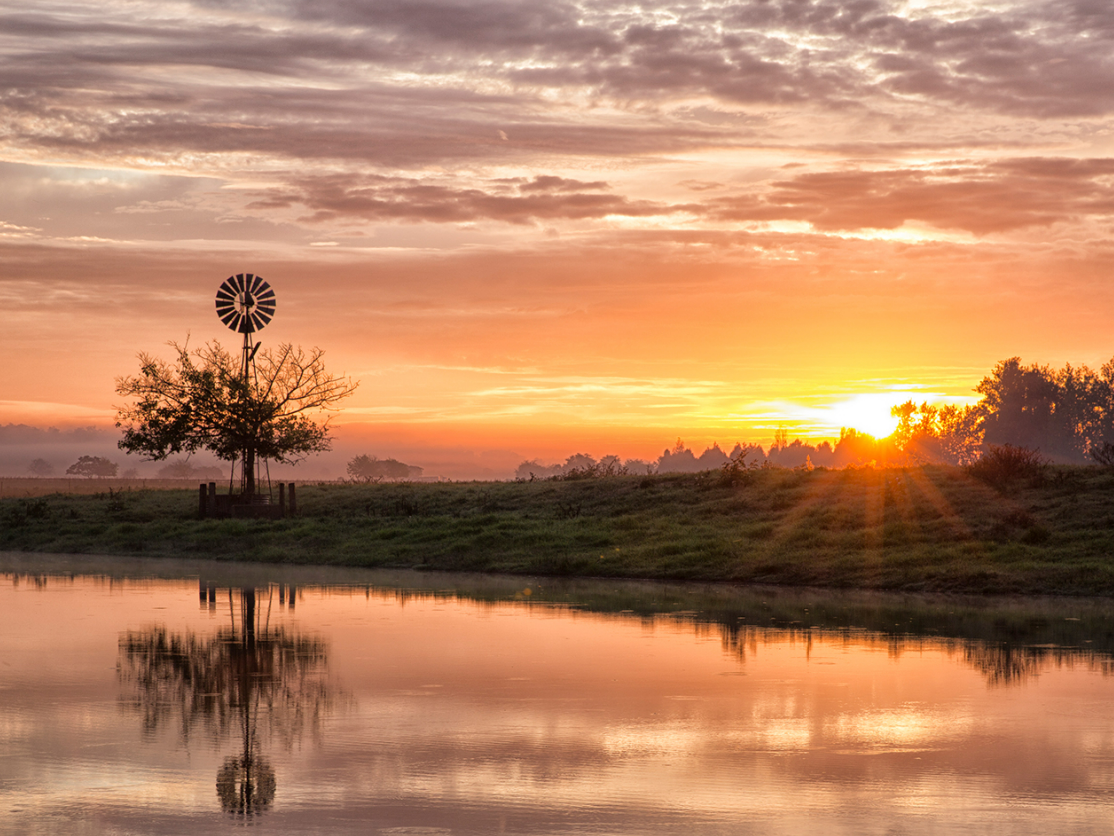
x=245, y=303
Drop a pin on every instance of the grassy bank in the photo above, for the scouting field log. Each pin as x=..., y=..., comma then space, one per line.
x=931, y=528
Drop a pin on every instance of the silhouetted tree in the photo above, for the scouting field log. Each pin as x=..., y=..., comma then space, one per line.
x=857, y=448
x=678, y=460
x=201, y=401
x=1020, y=409
x=791, y=454
x=40, y=468
x=1064, y=413
x=938, y=434
x=533, y=469
x=177, y=469
x=92, y=466
x=371, y=469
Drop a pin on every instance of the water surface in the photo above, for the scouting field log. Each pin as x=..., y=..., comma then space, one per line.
x=197, y=698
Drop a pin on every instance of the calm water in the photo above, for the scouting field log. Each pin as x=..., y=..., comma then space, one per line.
x=173, y=698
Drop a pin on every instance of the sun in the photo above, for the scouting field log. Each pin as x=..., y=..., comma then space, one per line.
x=867, y=413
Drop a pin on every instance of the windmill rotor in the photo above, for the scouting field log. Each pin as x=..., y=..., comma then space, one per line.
x=245, y=303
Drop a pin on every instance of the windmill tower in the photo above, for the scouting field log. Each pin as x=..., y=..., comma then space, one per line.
x=246, y=303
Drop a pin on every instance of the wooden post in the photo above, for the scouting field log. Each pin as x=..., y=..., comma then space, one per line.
x=202, y=495
x=282, y=499
x=293, y=501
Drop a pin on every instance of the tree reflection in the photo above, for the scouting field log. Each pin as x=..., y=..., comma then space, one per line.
x=1000, y=663
x=248, y=681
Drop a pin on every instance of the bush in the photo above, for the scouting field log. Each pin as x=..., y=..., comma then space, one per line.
x=1001, y=466
x=1104, y=454
x=608, y=466
x=736, y=471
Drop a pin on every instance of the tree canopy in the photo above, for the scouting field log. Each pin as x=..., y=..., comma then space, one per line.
x=40, y=467
x=371, y=469
x=92, y=466
x=202, y=401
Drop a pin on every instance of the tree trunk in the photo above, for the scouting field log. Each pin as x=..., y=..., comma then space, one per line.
x=249, y=472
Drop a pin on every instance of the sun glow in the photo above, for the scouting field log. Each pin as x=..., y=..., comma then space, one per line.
x=867, y=413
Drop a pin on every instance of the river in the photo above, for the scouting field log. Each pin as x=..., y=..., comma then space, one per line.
x=168, y=697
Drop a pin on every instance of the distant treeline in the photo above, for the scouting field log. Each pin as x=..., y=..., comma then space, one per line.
x=1067, y=415
x=852, y=448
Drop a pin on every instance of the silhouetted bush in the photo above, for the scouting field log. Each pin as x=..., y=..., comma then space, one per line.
x=1002, y=465
x=607, y=466
x=1103, y=454
x=737, y=470
x=577, y=466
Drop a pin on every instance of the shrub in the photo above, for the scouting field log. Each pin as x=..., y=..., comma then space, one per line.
x=608, y=466
x=736, y=471
x=1002, y=465
x=1103, y=454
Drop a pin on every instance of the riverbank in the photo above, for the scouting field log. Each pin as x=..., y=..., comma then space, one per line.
x=918, y=529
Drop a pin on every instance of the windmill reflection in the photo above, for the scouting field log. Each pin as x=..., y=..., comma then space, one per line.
x=248, y=682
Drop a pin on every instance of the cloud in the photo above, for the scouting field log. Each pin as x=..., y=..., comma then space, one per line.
x=977, y=198
x=378, y=198
x=396, y=83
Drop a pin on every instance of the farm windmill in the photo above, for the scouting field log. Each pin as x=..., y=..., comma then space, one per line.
x=246, y=303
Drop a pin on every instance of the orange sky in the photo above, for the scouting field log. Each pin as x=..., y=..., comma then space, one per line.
x=529, y=230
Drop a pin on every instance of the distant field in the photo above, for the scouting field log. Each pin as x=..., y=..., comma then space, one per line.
x=926, y=529
x=27, y=486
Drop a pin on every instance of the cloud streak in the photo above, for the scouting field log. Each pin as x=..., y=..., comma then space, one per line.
x=979, y=199
x=384, y=198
